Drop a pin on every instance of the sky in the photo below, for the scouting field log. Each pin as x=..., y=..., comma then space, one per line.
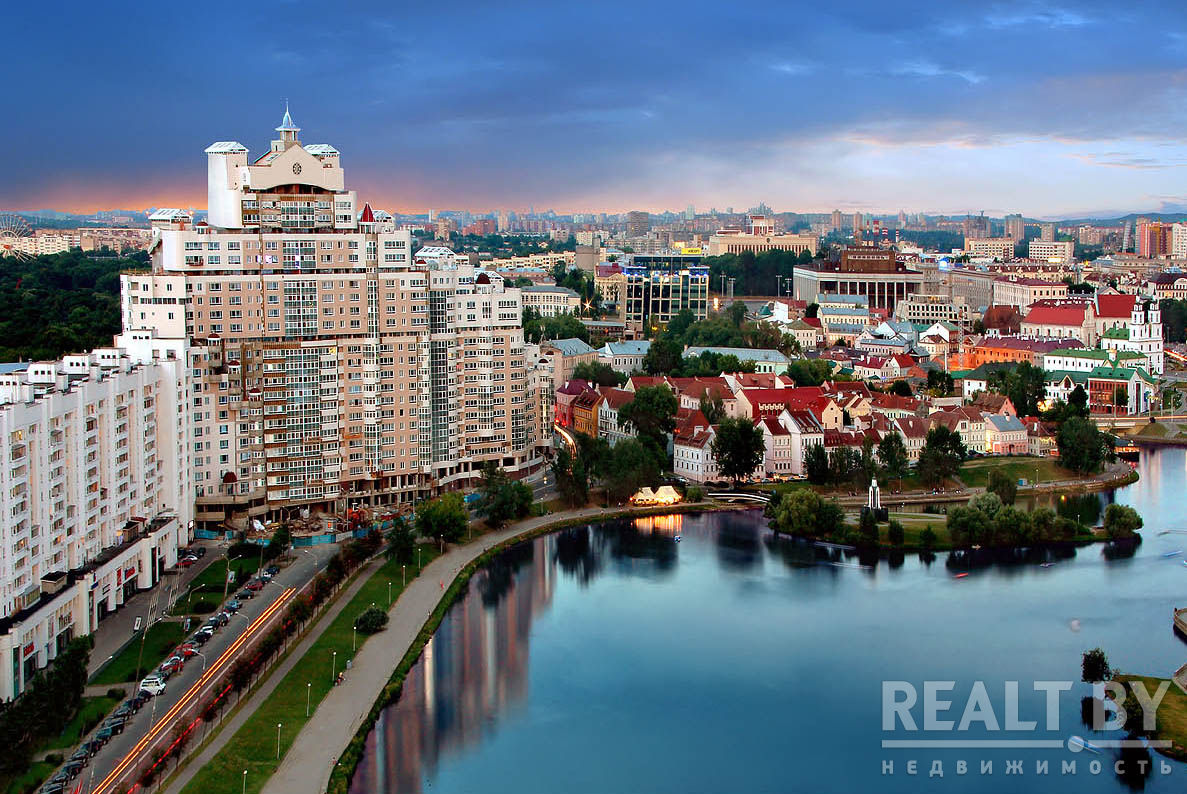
x=1053, y=110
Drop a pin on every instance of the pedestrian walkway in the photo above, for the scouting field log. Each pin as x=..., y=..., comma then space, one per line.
x=307, y=764
x=262, y=693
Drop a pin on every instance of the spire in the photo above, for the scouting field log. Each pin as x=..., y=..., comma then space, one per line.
x=368, y=216
x=286, y=124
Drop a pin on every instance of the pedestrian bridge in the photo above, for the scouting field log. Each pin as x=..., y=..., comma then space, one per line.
x=740, y=496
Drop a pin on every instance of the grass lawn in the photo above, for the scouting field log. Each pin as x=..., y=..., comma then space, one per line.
x=163, y=637
x=913, y=525
x=91, y=713
x=33, y=778
x=1172, y=714
x=253, y=747
x=975, y=473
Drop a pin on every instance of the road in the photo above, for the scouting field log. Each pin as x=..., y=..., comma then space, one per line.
x=126, y=753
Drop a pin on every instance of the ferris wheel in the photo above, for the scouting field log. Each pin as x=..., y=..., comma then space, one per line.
x=12, y=230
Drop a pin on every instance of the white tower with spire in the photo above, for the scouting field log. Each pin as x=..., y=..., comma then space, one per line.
x=288, y=132
x=875, y=501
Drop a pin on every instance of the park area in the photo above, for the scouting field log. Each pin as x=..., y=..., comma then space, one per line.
x=975, y=473
x=163, y=637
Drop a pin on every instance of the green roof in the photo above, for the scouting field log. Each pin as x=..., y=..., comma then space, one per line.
x=1054, y=375
x=1116, y=333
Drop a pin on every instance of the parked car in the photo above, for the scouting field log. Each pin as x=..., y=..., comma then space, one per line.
x=245, y=594
x=234, y=606
x=186, y=562
x=82, y=755
x=186, y=651
x=152, y=685
x=272, y=570
x=53, y=787
x=265, y=577
x=197, y=551
x=93, y=746
x=201, y=637
x=173, y=665
x=72, y=769
x=124, y=711
x=255, y=585
x=223, y=618
x=103, y=735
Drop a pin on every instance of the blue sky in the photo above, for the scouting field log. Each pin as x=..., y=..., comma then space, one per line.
x=1048, y=109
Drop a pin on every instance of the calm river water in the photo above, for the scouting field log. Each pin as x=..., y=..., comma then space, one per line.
x=614, y=658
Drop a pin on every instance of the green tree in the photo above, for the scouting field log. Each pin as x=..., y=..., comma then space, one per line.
x=738, y=447
x=927, y=538
x=1094, y=666
x=600, y=373
x=663, y=357
x=892, y=454
x=502, y=499
x=939, y=383
x=736, y=313
x=1082, y=447
x=652, y=413
x=1014, y=527
x=867, y=528
x=444, y=517
x=1078, y=401
x=843, y=464
x=401, y=542
x=1042, y=521
x=901, y=388
x=1003, y=485
x=572, y=479
x=713, y=407
x=371, y=620
x=809, y=372
x=1121, y=521
x=804, y=514
x=816, y=464
x=895, y=533
x=631, y=466
x=941, y=456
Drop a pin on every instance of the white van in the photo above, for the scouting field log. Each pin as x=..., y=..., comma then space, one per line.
x=153, y=685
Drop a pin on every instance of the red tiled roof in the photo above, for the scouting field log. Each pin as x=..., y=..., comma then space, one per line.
x=773, y=426
x=1115, y=306
x=616, y=398
x=1056, y=315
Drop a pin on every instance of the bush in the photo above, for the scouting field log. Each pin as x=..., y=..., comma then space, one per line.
x=115, y=693
x=895, y=533
x=927, y=538
x=371, y=620
x=694, y=494
x=54, y=758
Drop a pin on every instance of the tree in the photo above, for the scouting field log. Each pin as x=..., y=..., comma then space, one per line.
x=712, y=407
x=1082, y=447
x=892, y=453
x=1121, y=521
x=736, y=313
x=895, y=533
x=371, y=620
x=502, y=499
x=572, y=479
x=1013, y=526
x=600, y=373
x=812, y=311
x=401, y=542
x=1042, y=522
x=809, y=372
x=631, y=467
x=927, y=538
x=816, y=464
x=739, y=448
x=1094, y=667
x=901, y=388
x=1003, y=485
x=941, y=456
x=663, y=357
x=843, y=465
x=867, y=528
x=939, y=383
x=444, y=517
x=1025, y=385
x=804, y=514
x=968, y=526
x=653, y=415
x=1078, y=400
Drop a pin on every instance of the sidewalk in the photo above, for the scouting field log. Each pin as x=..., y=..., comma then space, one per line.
x=307, y=764
x=228, y=729
x=115, y=631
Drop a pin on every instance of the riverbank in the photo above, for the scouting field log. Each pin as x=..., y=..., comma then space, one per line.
x=1172, y=715
x=322, y=745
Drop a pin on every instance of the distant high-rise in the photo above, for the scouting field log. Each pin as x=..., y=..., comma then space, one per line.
x=858, y=222
x=1047, y=232
x=835, y=224
x=1155, y=239
x=638, y=223
x=1016, y=227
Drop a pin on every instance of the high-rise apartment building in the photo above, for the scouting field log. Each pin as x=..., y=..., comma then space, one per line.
x=1047, y=232
x=1155, y=239
x=328, y=364
x=1016, y=227
x=638, y=223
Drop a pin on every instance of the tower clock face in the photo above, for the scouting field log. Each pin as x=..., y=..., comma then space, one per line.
x=296, y=168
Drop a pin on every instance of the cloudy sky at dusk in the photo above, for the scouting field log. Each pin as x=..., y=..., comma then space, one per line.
x=1051, y=110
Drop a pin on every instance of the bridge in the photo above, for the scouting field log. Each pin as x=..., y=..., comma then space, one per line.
x=1107, y=422
x=739, y=496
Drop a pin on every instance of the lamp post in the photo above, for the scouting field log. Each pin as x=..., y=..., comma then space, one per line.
x=278, y=741
x=244, y=781
x=389, y=594
x=354, y=633
x=403, y=576
x=308, y=690
x=334, y=669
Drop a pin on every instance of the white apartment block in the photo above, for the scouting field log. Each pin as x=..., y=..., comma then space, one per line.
x=550, y=301
x=1053, y=251
x=995, y=247
x=327, y=365
x=98, y=495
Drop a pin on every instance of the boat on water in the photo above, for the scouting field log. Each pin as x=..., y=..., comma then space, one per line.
x=1174, y=553
x=1049, y=564
x=677, y=538
x=960, y=575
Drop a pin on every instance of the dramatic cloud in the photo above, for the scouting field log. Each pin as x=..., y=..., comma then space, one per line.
x=1015, y=106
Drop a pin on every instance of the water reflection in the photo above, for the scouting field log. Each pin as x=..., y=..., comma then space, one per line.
x=743, y=620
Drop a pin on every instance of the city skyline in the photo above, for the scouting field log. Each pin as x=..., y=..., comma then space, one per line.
x=1010, y=107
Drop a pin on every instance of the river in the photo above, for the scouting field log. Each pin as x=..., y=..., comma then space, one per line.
x=615, y=658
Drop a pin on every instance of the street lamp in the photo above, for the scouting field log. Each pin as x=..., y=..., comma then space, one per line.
x=278, y=741
x=244, y=781
x=354, y=638
x=389, y=594
x=308, y=690
x=334, y=669
x=403, y=577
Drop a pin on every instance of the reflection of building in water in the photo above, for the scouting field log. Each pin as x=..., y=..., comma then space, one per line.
x=664, y=525
x=474, y=669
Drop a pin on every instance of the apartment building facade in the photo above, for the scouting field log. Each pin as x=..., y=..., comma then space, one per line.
x=328, y=365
